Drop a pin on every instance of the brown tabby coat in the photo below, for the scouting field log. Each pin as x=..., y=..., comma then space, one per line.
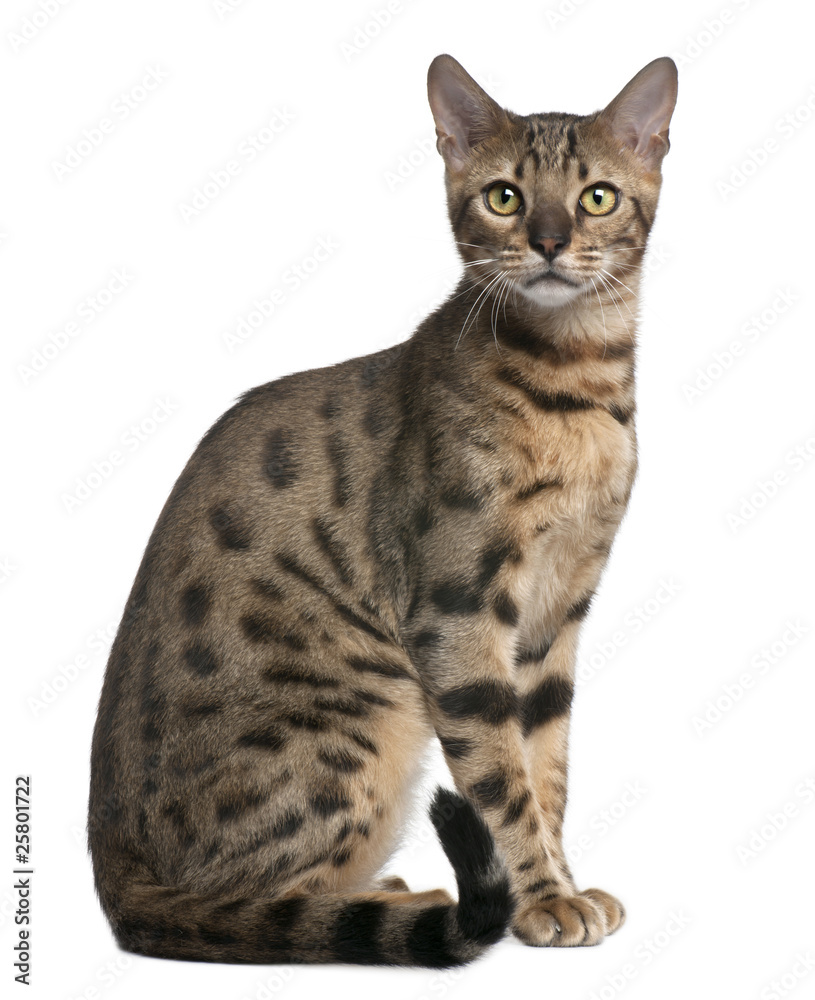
x=360, y=557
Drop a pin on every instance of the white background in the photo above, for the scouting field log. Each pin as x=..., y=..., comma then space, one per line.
x=692, y=595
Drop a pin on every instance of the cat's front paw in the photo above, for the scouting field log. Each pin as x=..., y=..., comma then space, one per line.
x=569, y=921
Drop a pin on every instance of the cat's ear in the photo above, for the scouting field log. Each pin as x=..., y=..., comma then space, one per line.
x=640, y=114
x=465, y=115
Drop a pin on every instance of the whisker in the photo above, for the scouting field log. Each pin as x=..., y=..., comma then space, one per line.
x=619, y=282
x=614, y=296
x=614, y=303
x=481, y=295
x=603, y=314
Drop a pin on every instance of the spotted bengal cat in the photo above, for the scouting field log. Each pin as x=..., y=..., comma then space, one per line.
x=360, y=558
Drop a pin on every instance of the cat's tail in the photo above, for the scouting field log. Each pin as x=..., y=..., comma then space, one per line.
x=368, y=928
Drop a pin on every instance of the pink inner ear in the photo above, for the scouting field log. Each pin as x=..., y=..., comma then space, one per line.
x=461, y=109
x=643, y=109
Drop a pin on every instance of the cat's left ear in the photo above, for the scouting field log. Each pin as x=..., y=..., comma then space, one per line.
x=640, y=114
x=465, y=115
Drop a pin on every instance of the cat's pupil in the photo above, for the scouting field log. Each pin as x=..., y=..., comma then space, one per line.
x=506, y=195
x=598, y=196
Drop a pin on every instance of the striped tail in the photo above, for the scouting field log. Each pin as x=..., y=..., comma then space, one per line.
x=367, y=928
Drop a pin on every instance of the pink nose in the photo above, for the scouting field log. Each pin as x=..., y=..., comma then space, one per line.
x=552, y=245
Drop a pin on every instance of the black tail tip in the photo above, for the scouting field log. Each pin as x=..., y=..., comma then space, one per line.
x=464, y=835
x=485, y=901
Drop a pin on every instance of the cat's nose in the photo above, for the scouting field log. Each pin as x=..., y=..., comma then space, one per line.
x=550, y=246
x=550, y=230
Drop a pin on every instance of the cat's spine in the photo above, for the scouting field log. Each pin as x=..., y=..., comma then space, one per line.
x=164, y=922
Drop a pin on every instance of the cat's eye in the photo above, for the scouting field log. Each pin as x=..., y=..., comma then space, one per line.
x=599, y=199
x=503, y=199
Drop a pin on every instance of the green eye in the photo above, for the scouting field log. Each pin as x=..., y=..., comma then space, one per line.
x=599, y=199
x=503, y=199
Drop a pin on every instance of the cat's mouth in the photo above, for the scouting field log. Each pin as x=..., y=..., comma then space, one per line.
x=550, y=278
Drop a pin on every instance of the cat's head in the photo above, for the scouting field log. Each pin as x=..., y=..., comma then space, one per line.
x=562, y=204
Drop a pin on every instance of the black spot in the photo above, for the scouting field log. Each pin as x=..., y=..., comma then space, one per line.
x=491, y=790
x=345, y=831
x=267, y=589
x=328, y=801
x=427, y=939
x=571, y=137
x=286, y=673
x=529, y=341
x=341, y=857
x=538, y=487
x=369, y=665
x=306, y=720
x=462, y=496
x=341, y=761
x=545, y=886
x=620, y=415
x=338, y=455
x=455, y=597
x=282, y=917
x=426, y=640
x=335, y=552
x=229, y=909
x=201, y=660
x=291, y=565
x=343, y=706
x=231, y=531
x=424, y=519
x=376, y=419
x=583, y=171
x=505, y=609
x=177, y=814
x=364, y=742
x=287, y=826
x=356, y=932
x=525, y=866
x=515, y=810
x=268, y=738
x=262, y=628
x=535, y=654
x=455, y=747
x=550, y=699
x=493, y=558
x=201, y=709
x=330, y=407
x=279, y=462
x=371, y=698
x=551, y=402
x=491, y=701
x=577, y=612
x=229, y=809
x=195, y=602
x=640, y=214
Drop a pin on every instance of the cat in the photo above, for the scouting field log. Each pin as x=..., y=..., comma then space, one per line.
x=361, y=558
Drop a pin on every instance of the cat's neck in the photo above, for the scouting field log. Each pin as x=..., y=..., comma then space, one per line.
x=601, y=323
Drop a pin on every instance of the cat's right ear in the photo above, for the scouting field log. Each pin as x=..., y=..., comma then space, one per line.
x=465, y=115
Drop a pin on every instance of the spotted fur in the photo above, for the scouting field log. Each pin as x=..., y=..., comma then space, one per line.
x=362, y=558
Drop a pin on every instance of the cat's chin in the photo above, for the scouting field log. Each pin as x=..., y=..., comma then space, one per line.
x=551, y=293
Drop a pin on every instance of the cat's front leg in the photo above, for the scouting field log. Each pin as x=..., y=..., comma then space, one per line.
x=464, y=659
x=545, y=685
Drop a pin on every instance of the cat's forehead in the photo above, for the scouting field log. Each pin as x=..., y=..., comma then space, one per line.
x=554, y=149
